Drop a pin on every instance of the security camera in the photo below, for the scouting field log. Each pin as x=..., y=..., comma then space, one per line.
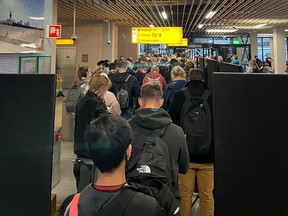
x=105, y=21
x=74, y=37
x=109, y=42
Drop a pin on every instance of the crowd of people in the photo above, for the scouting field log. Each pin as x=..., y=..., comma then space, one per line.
x=134, y=152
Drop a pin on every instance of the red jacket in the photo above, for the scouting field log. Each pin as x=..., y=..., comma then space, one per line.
x=154, y=76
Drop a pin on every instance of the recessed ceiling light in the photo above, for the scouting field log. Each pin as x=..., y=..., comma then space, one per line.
x=210, y=14
x=221, y=30
x=286, y=30
x=200, y=26
x=151, y=26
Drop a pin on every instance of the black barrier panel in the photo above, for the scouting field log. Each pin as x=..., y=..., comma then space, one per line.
x=251, y=144
x=26, y=133
x=228, y=67
x=212, y=66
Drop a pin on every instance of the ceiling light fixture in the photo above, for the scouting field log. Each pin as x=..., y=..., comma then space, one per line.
x=151, y=26
x=37, y=18
x=286, y=30
x=200, y=26
x=164, y=15
x=260, y=25
x=221, y=30
x=210, y=14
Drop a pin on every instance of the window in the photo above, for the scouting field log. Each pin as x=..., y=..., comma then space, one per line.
x=263, y=47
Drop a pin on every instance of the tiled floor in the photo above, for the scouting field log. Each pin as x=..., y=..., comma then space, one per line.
x=67, y=184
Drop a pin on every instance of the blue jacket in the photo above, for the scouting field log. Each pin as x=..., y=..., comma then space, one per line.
x=170, y=90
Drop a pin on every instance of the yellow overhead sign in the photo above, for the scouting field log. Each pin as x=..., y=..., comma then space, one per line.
x=184, y=43
x=156, y=35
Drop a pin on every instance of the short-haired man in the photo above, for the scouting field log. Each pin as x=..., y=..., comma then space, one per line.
x=150, y=117
x=201, y=166
x=125, y=87
x=108, y=139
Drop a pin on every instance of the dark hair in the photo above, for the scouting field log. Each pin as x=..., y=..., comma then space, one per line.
x=112, y=66
x=82, y=72
x=122, y=64
x=196, y=74
x=100, y=62
x=151, y=90
x=108, y=138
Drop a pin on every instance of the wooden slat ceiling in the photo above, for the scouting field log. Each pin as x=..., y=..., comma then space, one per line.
x=242, y=15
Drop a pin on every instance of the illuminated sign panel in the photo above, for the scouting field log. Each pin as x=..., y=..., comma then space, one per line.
x=184, y=43
x=156, y=35
x=64, y=41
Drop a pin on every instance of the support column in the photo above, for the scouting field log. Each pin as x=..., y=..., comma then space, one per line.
x=50, y=14
x=254, y=45
x=272, y=51
x=109, y=41
x=279, y=49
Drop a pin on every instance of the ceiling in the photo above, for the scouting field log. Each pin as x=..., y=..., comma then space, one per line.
x=240, y=15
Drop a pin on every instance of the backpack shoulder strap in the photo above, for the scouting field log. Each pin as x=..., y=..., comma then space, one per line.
x=206, y=95
x=120, y=203
x=186, y=93
x=126, y=80
x=74, y=205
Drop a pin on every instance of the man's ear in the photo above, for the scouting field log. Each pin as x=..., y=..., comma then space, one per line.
x=140, y=102
x=161, y=102
x=129, y=152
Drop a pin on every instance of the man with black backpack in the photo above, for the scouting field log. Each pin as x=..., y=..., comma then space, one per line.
x=191, y=109
x=125, y=87
x=159, y=150
x=108, y=139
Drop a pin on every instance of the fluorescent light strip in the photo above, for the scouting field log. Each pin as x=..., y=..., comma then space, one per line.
x=260, y=25
x=221, y=30
x=210, y=14
x=151, y=26
x=164, y=14
x=200, y=26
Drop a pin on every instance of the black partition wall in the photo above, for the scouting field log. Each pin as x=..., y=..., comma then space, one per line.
x=26, y=133
x=251, y=144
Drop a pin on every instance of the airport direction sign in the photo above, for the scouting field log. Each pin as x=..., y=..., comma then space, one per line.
x=53, y=31
x=183, y=44
x=156, y=35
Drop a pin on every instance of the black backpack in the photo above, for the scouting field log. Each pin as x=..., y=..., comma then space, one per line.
x=149, y=168
x=195, y=121
x=73, y=96
x=123, y=94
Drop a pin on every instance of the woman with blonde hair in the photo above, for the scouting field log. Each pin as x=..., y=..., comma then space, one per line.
x=89, y=107
x=178, y=81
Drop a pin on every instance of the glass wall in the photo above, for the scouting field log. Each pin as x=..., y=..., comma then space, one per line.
x=263, y=47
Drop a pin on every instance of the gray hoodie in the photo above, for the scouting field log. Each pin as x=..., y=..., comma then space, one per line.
x=154, y=118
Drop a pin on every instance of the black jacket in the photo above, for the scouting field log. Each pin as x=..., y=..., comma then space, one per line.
x=196, y=88
x=150, y=119
x=88, y=108
x=92, y=201
x=118, y=79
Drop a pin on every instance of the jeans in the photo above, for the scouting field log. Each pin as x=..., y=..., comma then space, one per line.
x=205, y=179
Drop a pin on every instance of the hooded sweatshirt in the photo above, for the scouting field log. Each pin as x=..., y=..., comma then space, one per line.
x=154, y=118
x=93, y=200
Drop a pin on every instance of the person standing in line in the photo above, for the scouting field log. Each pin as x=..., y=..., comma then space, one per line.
x=109, y=142
x=178, y=76
x=89, y=107
x=150, y=117
x=125, y=87
x=201, y=166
